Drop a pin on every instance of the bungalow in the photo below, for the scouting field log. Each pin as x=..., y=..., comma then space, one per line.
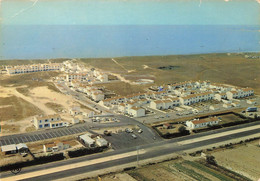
x=74, y=110
x=157, y=104
x=251, y=101
x=227, y=105
x=202, y=123
x=56, y=146
x=167, y=126
x=98, y=96
x=101, y=142
x=233, y=95
x=136, y=111
x=122, y=108
x=220, y=96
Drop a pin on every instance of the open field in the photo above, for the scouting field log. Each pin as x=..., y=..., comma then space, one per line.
x=16, y=108
x=123, y=88
x=243, y=159
x=232, y=69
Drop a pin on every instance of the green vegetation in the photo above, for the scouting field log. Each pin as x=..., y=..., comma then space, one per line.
x=208, y=170
x=16, y=109
x=234, y=69
x=190, y=172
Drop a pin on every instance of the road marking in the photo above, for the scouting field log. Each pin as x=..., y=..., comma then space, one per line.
x=67, y=131
x=37, y=137
x=72, y=166
x=218, y=135
x=29, y=139
x=49, y=135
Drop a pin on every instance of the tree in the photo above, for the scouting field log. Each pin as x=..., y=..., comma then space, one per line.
x=183, y=130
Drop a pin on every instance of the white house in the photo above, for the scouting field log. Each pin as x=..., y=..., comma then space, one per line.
x=98, y=96
x=157, y=104
x=220, y=96
x=136, y=112
x=251, y=101
x=202, y=123
x=74, y=110
x=54, y=147
x=101, y=142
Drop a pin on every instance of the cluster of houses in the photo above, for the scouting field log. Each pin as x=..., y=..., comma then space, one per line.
x=21, y=69
x=177, y=94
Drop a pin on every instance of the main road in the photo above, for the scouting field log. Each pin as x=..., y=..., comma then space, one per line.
x=71, y=168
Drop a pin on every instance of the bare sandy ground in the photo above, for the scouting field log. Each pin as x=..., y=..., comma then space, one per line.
x=244, y=160
x=39, y=96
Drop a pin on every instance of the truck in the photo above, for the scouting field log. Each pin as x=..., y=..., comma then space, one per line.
x=251, y=109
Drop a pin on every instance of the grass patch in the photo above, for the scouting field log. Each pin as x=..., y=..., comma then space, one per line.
x=54, y=106
x=234, y=69
x=18, y=109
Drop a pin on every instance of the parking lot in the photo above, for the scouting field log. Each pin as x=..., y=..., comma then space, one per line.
x=42, y=135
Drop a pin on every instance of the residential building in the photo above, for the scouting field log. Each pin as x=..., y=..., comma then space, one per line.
x=50, y=121
x=136, y=112
x=200, y=123
x=56, y=146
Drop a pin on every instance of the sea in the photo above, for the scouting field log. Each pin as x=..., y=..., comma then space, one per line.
x=100, y=41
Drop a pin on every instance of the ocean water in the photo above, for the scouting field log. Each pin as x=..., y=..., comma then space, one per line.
x=82, y=41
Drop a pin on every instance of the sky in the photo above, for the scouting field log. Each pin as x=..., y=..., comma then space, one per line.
x=130, y=12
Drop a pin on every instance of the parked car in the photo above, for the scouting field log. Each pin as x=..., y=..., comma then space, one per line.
x=140, y=131
x=134, y=136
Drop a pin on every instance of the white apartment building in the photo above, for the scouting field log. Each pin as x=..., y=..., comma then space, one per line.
x=20, y=69
x=50, y=121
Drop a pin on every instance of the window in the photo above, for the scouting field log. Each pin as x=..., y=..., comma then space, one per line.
x=57, y=124
x=40, y=126
x=46, y=120
x=40, y=121
x=46, y=125
x=53, y=125
x=60, y=124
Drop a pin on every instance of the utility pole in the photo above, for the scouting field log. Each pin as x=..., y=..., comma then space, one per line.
x=137, y=156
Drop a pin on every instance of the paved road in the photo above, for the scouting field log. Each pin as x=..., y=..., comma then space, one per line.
x=151, y=151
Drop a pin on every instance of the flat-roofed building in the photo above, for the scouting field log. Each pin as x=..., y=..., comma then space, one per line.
x=87, y=140
x=50, y=121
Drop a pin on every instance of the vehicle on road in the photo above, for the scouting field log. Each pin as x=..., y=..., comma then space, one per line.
x=134, y=136
x=140, y=131
x=128, y=130
x=251, y=109
x=107, y=133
